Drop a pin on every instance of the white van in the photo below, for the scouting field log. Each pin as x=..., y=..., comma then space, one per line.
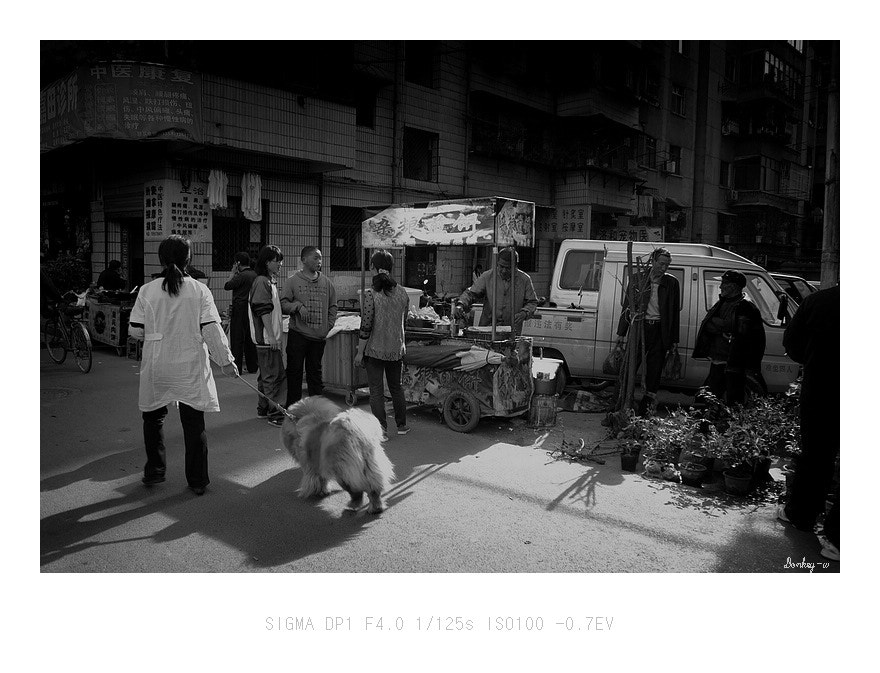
x=579, y=326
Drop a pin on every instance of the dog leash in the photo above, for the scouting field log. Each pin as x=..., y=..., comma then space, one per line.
x=268, y=399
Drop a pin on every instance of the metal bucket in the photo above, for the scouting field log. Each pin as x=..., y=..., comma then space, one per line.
x=542, y=411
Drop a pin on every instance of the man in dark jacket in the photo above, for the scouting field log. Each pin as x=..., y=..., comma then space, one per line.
x=732, y=337
x=658, y=301
x=240, y=280
x=111, y=277
x=813, y=339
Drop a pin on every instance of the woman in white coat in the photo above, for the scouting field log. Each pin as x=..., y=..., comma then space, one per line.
x=179, y=323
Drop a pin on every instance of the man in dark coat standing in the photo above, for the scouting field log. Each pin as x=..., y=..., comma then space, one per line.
x=732, y=337
x=240, y=280
x=813, y=339
x=659, y=306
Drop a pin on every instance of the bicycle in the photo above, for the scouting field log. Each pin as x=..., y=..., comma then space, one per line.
x=64, y=332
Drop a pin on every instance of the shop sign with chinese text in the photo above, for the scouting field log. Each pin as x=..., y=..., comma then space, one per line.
x=121, y=99
x=171, y=208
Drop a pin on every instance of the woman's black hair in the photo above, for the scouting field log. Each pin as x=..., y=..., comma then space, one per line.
x=174, y=255
x=383, y=260
x=268, y=253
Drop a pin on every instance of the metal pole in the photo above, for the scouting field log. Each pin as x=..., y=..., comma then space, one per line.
x=494, y=287
x=830, y=269
x=512, y=291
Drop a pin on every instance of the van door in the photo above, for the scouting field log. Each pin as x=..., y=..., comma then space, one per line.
x=778, y=370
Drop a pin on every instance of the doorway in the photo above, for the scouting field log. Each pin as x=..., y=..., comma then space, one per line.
x=132, y=254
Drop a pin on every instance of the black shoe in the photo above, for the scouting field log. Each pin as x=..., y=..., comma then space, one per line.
x=198, y=490
x=277, y=422
x=262, y=414
x=153, y=480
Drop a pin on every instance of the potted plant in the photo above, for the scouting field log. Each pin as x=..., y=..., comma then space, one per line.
x=632, y=438
x=743, y=447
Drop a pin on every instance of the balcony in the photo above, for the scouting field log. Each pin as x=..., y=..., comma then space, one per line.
x=492, y=139
x=597, y=103
x=758, y=198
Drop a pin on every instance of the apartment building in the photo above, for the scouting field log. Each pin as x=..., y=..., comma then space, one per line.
x=663, y=140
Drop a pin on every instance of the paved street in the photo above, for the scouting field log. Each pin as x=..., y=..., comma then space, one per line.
x=493, y=500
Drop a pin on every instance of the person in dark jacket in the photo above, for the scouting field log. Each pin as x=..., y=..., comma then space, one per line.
x=659, y=307
x=813, y=339
x=240, y=280
x=111, y=277
x=732, y=337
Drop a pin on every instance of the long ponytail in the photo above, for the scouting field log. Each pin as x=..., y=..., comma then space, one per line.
x=174, y=255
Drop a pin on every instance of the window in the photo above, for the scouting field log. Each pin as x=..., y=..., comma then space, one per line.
x=420, y=158
x=582, y=270
x=365, y=107
x=724, y=178
x=682, y=47
x=528, y=258
x=757, y=290
x=647, y=151
x=234, y=233
x=345, y=238
x=797, y=44
x=421, y=63
x=730, y=67
x=678, y=101
x=674, y=163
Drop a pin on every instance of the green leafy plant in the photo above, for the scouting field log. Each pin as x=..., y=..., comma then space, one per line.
x=68, y=273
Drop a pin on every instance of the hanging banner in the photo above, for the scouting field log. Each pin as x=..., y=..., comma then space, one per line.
x=171, y=208
x=479, y=221
x=121, y=99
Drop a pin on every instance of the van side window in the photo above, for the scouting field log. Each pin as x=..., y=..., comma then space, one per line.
x=581, y=269
x=757, y=290
x=679, y=276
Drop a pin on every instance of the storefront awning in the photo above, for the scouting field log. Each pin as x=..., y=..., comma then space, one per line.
x=674, y=204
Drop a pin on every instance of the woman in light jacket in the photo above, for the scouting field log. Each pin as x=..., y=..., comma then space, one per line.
x=178, y=321
x=381, y=344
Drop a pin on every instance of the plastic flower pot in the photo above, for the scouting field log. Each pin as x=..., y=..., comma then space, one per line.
x=737, y=484
x=692, y=473
x=629, y=461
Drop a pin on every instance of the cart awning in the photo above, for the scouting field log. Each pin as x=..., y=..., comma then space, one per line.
x=491, y=220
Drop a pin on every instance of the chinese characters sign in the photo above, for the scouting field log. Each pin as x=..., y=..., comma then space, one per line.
x=565, y=222
x=629, y=232
x=170, y=208
x=121, y=99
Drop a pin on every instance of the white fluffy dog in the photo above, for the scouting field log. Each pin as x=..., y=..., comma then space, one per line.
x=345, y=446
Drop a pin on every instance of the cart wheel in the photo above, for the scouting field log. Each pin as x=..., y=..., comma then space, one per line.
x=351, y=398
x=461, y=411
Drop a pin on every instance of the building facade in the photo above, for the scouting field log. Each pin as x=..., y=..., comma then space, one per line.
x=716, y=142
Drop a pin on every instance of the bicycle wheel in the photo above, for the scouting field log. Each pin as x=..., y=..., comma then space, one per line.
x=55, y=340
x=82, y=347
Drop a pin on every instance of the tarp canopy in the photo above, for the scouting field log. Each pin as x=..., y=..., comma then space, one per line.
x=491, y=220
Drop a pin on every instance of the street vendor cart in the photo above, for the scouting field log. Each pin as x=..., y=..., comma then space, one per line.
x=465, y=374
x=107, y=316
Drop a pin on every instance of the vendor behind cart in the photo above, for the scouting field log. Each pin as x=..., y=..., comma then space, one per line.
x=524, y=303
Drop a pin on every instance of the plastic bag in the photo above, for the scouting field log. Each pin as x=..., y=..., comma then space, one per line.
x=613, y=361
x=672, y=366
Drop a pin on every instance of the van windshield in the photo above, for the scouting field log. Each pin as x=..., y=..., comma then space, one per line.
x=758, y=290
x=581, y=269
